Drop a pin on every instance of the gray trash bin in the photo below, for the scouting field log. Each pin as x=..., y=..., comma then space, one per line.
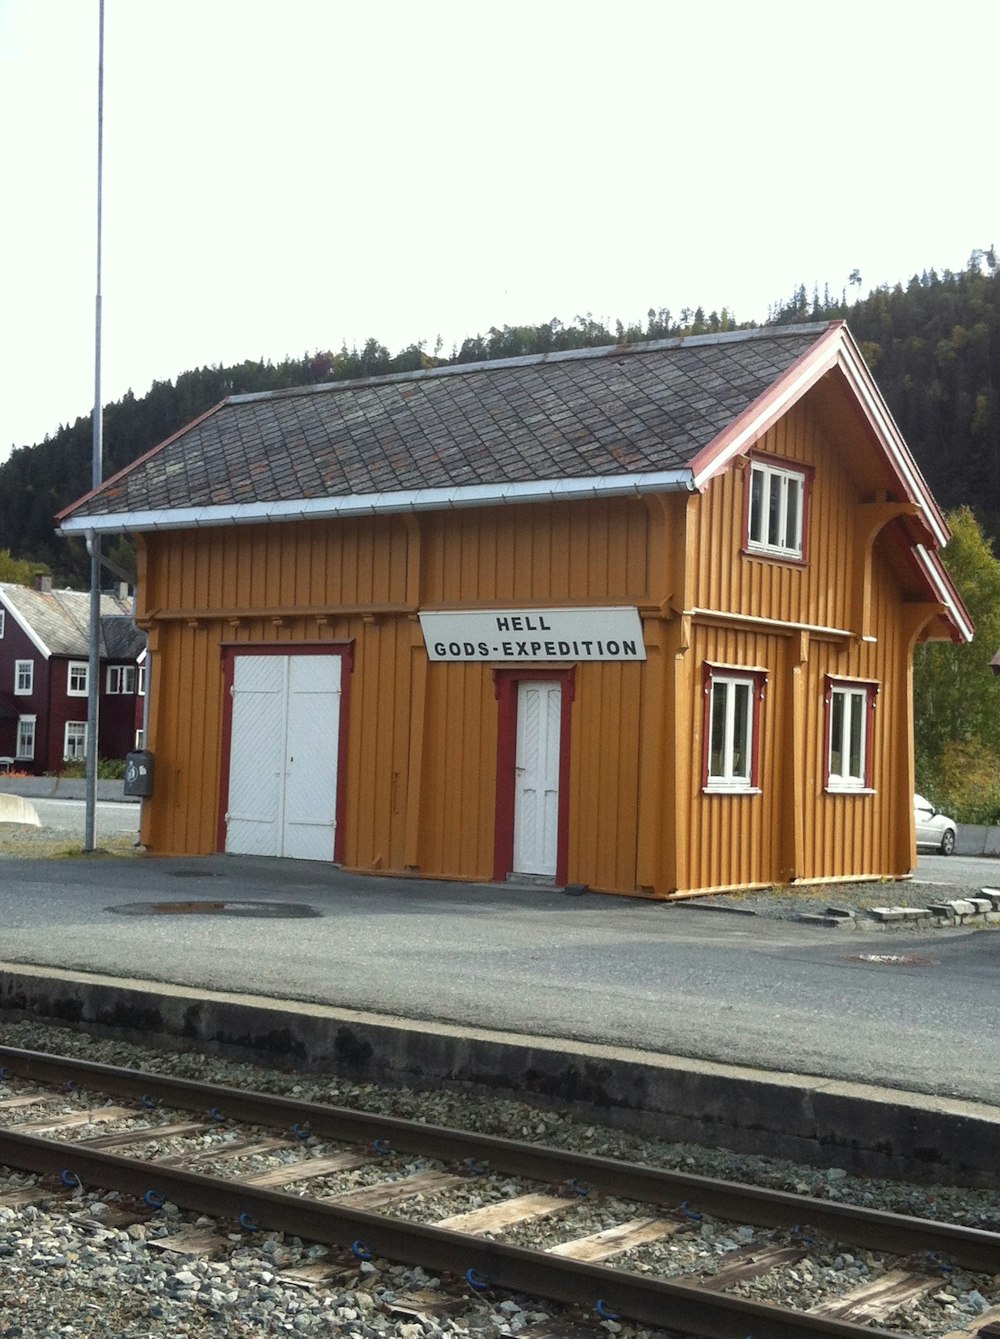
x=139, y=773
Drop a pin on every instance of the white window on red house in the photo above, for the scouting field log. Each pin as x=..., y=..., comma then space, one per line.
x=77, y=678
x=3, y=620
x=776, y=509
x=24, y=677
x=140, y=739
x=121, y=679
x=142, y=681
x=26, y=737
x=850, y=708
x=75, y=745
x=732, y=720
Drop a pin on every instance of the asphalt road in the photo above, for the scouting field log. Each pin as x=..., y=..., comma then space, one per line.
x=917, y=1012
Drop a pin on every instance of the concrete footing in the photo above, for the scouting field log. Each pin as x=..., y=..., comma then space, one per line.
x=878, y=1131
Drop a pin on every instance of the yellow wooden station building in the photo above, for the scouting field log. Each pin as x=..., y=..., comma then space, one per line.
x=638, y=618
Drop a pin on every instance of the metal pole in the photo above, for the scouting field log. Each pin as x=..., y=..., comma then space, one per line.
x=93, y=541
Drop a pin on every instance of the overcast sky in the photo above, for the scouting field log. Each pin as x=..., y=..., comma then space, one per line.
x=283, y=178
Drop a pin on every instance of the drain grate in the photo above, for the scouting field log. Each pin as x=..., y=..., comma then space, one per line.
x=259, y=910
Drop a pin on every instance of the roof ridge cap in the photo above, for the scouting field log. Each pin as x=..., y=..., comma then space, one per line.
x=537, y=360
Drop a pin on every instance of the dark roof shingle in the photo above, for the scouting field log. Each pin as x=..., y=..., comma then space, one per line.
x=587, y=414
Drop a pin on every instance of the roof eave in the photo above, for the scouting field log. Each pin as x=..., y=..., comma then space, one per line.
x=945, y=591
x=371, y=504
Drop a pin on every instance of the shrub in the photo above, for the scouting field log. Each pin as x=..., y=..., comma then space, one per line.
x=108, y=769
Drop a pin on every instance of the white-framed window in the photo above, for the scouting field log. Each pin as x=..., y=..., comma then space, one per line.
x=121, y=679
x=24, y=677
x=732, y=720
x=75, y=741
x=26, y=737
x=3, y=620
x=776, y=509
x=850, y=706
x=141, y=689
x=77, y=675
x=140, y=739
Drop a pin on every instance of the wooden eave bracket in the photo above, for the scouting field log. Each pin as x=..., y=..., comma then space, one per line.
x=873, y=518
x=916, y=617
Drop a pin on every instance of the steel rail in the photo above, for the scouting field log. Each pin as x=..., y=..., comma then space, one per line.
x=656, y=1302
x=972, y=1248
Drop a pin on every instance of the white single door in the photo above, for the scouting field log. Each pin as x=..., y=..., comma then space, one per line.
x=536, y=778
x=312, y=740
x=284, y=756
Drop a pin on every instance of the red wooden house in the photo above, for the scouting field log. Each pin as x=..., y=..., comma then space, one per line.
x=44, y=688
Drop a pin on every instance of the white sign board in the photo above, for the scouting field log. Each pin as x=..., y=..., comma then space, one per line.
x=604, y=633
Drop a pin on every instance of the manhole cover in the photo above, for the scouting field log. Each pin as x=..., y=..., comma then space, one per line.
x=261, y=910
x=891, y=959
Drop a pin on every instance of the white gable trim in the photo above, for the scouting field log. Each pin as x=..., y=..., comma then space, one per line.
x=24, y=625
x=931, y=565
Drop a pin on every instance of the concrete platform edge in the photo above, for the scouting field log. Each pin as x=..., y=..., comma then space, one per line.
x=878, y=1131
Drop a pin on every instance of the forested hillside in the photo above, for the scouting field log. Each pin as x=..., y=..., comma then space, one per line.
x=933, y=344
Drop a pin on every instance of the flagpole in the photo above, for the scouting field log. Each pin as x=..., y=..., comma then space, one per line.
x=93, y=541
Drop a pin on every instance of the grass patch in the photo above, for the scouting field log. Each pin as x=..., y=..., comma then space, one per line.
x=29, y=845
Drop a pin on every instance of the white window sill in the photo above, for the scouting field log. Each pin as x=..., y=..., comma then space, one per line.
x=785, y=555
x=835, y=788
x=734, y=788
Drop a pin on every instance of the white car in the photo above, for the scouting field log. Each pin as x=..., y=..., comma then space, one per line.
x=935, y=832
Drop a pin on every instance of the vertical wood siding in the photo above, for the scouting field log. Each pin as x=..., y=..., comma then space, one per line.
x=812, y=592
x=733, y=838
x=420, y=765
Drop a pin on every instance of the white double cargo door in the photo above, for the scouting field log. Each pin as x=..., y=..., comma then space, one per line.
x=536, y=777
x=284, y=756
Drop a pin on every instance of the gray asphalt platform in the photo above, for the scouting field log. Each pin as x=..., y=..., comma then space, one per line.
x=863, y=1048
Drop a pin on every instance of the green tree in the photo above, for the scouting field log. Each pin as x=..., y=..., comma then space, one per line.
x=19, y=570
x=956, y=695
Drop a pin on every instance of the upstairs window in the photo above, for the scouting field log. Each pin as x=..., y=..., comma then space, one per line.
x=850, y=708
x=121, y=679
x=142, y=680
x=776, y=509
x=24, y=677
x=77, y=681
x=3, y=619
x=732, y=726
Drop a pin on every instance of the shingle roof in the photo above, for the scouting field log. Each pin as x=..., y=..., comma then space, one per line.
x=60, y=620
x=591, y=413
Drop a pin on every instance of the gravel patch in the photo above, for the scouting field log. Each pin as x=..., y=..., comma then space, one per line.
x=787, y=903
x=68, y=1268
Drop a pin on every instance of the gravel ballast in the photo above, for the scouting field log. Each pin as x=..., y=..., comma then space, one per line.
x=67, y=1268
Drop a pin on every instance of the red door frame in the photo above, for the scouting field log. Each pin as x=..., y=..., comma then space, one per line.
x=230, y=650
x=506, y=685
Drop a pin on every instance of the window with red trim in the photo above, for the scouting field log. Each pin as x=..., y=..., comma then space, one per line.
x=733, y=698
x=850, y=709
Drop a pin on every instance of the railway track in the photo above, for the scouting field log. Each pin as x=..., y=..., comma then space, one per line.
x=490, y=1213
